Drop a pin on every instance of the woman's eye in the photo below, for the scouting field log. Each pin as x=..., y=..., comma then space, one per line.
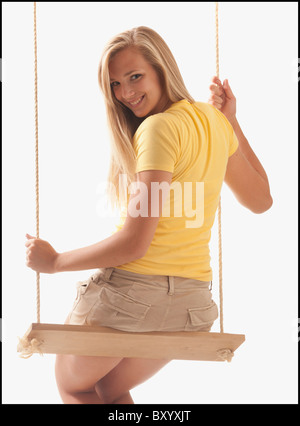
x=135, y=76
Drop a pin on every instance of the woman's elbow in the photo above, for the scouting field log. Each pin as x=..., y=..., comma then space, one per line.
x=137, y=249
x=263, y=206
x=141, y=251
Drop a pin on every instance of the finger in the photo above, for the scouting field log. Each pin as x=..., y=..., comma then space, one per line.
x=216, y=80
x=218, y=90
x=29, y=236
x=216, y=98
x=215, y=104
x=28, y=263
x=213, y=88
x=228, y=90
x=216, y=101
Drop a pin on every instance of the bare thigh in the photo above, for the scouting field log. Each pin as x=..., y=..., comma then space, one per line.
x=110, y=377
x=81, y=373
x=128, y=374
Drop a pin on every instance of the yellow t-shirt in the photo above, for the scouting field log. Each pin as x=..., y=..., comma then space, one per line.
x=193, y=141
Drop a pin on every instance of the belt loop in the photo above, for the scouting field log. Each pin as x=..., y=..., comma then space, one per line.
x=171, y=289
x=210, y=287
x=107, y=273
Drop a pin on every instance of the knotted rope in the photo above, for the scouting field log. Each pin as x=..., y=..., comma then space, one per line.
x=28, y=347
x=219, y=207
x=37, y=204
x=225, y=354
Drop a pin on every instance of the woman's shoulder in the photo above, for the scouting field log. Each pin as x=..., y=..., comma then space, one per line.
x=156, y=124
x=186, y=108
x=174, y=116
x=157, y=120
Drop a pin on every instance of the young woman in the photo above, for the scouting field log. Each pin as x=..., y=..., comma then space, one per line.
x=155, y=272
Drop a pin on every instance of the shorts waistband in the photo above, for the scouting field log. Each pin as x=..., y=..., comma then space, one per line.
x=168, y=281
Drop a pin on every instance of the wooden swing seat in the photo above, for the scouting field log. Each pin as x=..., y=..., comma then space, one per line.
x=104, y=341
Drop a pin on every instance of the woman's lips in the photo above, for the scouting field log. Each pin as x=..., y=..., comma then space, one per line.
x=136, y=102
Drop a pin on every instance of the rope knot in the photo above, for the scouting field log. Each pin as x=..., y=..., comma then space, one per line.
x=225, y=354
x=28, y=347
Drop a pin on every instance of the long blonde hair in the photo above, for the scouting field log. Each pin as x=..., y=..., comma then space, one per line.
x=122, y=122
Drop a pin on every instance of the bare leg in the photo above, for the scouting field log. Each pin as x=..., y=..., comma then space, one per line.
x=81, y=398
x=129, y=373
x=76, y=377
x=102, y=380
x=124, y=399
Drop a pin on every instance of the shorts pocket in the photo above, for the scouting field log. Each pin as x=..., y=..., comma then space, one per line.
x=81, y=287
x=202, y=319
x=117, y=310
x=85, y=298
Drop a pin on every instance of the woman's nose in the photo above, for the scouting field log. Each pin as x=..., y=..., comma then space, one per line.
x=127, y=92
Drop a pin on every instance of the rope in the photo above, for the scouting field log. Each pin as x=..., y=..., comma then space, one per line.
x=29, y=347
x=37, y=208
x=217, y=39
x=219, y=207
x=25, y=346
x=225, y=354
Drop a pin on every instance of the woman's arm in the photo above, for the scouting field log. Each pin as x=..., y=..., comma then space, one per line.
x=126, y=245
x=115, y=250
x=245, y=174
x=247, y=150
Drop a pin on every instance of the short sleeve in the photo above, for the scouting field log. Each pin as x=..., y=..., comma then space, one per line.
x=232, y=140
x=156, y=144
x=233, y=143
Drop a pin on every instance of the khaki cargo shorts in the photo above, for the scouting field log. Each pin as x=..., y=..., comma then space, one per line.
x=134, y=302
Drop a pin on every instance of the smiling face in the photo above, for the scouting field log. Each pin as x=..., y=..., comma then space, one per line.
x=136, y=84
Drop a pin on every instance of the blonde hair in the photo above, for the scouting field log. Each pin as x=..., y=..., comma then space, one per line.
x=122, y=122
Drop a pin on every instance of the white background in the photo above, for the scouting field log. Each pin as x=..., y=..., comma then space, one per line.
x=258, y=54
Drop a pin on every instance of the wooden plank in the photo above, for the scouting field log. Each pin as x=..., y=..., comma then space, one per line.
x=104, y=341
